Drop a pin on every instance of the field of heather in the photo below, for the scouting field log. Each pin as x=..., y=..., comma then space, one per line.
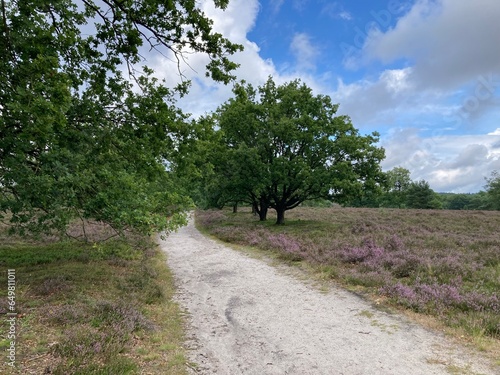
x=440, y=263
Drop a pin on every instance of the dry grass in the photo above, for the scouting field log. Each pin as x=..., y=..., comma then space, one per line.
x=92, y=308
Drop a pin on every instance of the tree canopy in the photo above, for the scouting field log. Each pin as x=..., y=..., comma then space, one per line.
x=396, y=187
x=284, y=145
x=84, y=131
x=420, y=195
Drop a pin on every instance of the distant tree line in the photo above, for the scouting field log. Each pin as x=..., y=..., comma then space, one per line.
x=399, y=191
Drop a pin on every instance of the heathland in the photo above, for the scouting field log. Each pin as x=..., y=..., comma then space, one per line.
x=95, y=307
x=440, y=266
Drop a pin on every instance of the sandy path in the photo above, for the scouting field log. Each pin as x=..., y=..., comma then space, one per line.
x=247, y=317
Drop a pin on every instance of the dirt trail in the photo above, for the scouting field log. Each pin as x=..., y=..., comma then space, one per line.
x=247, y=317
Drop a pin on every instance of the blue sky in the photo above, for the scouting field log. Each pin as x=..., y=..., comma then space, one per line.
x=425, y=74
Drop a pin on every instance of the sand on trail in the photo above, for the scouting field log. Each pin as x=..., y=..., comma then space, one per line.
x=246, y=316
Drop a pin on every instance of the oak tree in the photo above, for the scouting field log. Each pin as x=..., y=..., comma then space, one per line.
x=287, y=145
x=86, y=131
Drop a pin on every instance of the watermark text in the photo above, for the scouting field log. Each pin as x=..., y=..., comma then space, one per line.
x=11, y=317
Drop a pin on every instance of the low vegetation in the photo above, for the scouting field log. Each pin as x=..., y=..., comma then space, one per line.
x=440, y=263
x=91, y=307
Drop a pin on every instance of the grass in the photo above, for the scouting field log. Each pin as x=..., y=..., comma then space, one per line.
x=435, y=263
x=91, y=308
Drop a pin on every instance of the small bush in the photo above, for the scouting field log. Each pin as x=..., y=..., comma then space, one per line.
x=369, y=253
x=395, y=243
x=65, y=315
x=112, y=313
x=82, y=343
x=438, y=297
x=403, y=264
x=211, y=218
x=289, y=248
x=53, y=285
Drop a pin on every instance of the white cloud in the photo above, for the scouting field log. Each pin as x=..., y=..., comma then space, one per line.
x=470, y=156
x=304, y=51
x=449, y=42
x=234, y=23
x=276, y=5
x=453, y=163
x=396, y=80
x=345, y=15
x=300, y=5
x=496, y=132
x=450, y=65
x=379, y=100
x=336, y=11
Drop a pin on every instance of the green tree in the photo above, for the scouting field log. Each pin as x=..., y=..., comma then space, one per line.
x=493, y=190
x=479, y=201
x=420, y=195
x=453, y=201
x=397, y=183
x=202, y=165
x=78, y=138
x=398, y=179
x=287, y=146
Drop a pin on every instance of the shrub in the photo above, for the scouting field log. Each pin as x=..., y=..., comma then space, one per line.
x=435, y=298
x=52, y=285
x=211, y=218
x=289, y=248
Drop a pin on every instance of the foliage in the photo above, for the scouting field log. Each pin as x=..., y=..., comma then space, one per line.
x=77, y=137
x=284, y=146
x=398, y=179
x=200, y=160
x=455, y=201
x=420, y=195
x=476, y=201
x=399, y=191
x=493, y=190
x=436, y=262
x=398, y=182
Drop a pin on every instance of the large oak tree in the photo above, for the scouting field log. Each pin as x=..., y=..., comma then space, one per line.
x=285, y=145
x=85, y=130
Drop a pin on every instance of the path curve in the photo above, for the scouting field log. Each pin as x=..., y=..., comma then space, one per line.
x=248, y=317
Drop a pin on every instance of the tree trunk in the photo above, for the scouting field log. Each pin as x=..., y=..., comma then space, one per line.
x=235, y=208
x=281, y=215
x=262, y=211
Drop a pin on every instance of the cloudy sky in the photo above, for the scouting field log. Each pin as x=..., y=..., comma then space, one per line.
x=425, y=74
